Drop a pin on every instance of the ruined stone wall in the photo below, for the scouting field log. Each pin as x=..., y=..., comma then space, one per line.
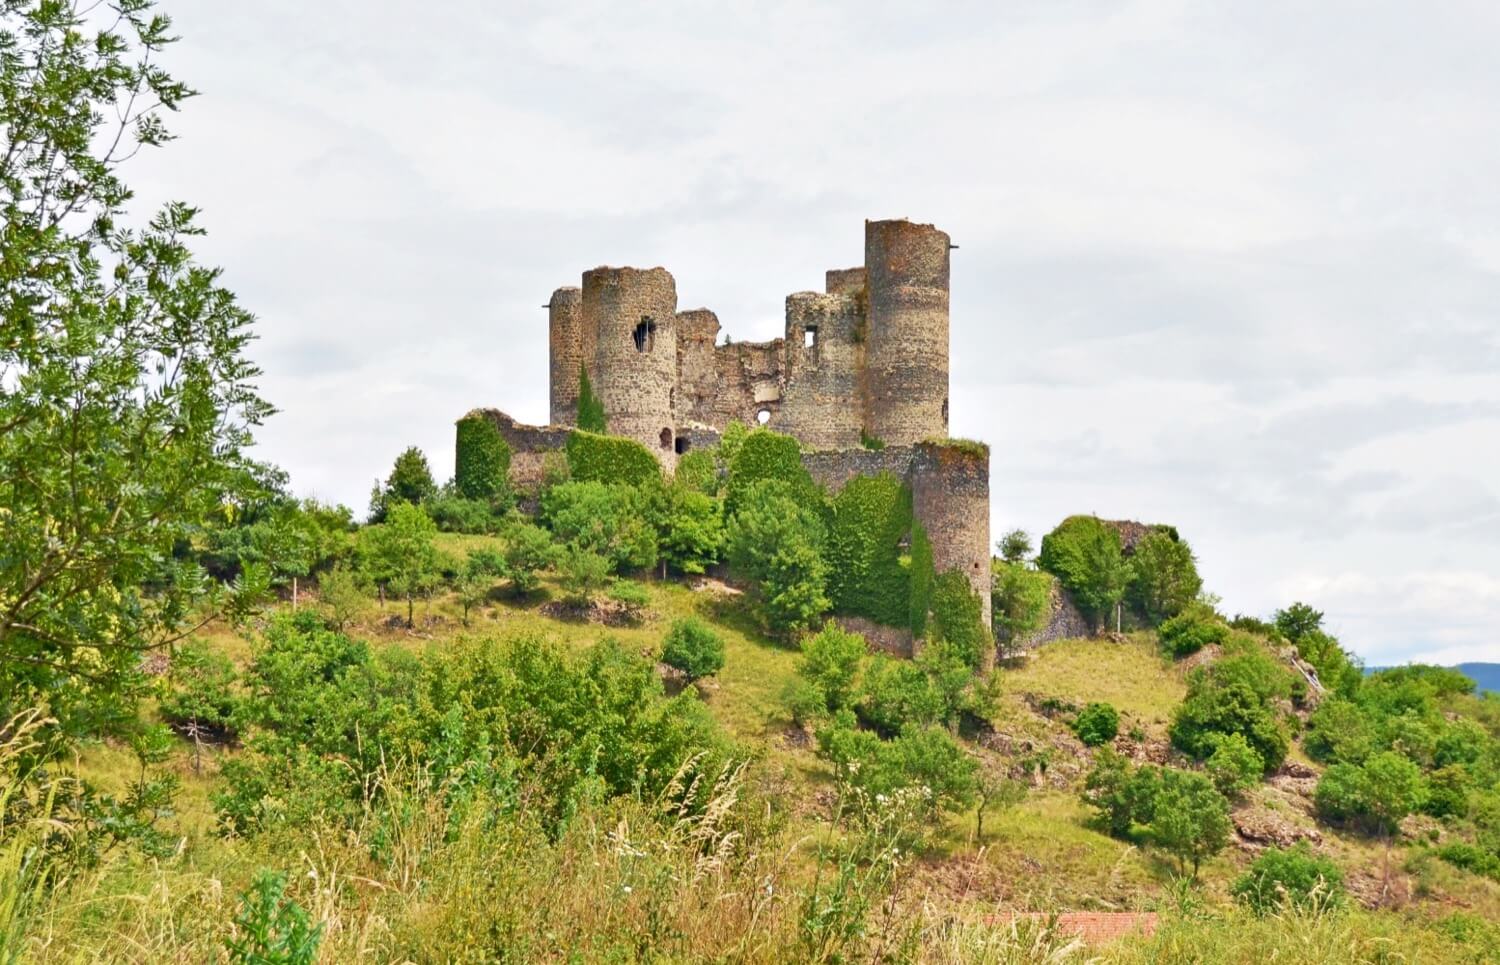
x=950, y=492
x=565, y=340
x=821, y=404
x=832, y=469
x=633, y=312
x=697, y=371
x=846, y=281
x=530, y=447
x=906, y=358
x=750, y=375
x=1064, y=622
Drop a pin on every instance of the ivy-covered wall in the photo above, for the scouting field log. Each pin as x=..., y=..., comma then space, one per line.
x=481, y=464
x=767, y=455
x=610, y=459
x=867, y=575
x=922, y=578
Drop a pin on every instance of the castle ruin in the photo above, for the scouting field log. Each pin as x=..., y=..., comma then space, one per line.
x=860, y=379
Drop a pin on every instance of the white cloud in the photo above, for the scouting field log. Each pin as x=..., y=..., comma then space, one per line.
x=1229, y=266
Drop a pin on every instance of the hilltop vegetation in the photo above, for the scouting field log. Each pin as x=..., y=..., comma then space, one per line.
x=617, y=717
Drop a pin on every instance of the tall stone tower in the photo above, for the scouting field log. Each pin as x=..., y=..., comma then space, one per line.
x=631, y=314
x=906, y=356
x=565, y=337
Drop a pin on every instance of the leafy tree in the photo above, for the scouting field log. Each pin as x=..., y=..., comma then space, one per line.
x=926, y=757
x=585, y=574
x=693, y=647
x=1097, y=724
x=696, y=470
x=200, y=700
x=611, y=520
x=528, y=550
x=1214, y=707
x=1395, y=788
x=1190, y=818
x=897, y=693
x=1164, y=578
x=1123, y=795
x=1084, y=553
x=590, y=406
x=401, y=553
x=473, y=587
x=1234, y=766
x=1019, y=600
x=831, y=662
x=1293, y=877
x=1014, y=546
x=1298, y=620
x=340, y=594
x=775, y=540
x=692, y=530
x=410, y=482
x=127, y=400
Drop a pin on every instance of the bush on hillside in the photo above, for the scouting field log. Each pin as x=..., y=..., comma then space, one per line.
x=585, y=574
x=1097, y=724
x=631, y=597
x=455, y=514
x=1191, y=631
x=1294, y=877
x=1236, y=695
x=200, y=701
x=1234, y=766
x=693, y=647
x=897, y=693
x=775, y=540
x=1084, y=553
x=609, y=520
x=831, y=663
x=528, y=551
x=691, y=528
x=1020, y=598
x=410, y=482
x=1376, y=795
x=1189, y=818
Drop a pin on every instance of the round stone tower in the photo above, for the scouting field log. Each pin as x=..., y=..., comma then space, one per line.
x=906, y=358
x=564, y=335
x=950, y=497
x=631, y=314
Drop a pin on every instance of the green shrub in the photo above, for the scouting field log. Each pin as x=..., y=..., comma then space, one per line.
x=1084, y=553
x=831, y=662
x=1376, y=795
x=926, y=757
x=1123, y=795
x=1294, y=877
x=1097, y=724
x=897, y=693
x=410, y=481
x=1224, y=699
x=1471, y=858
x=270, y=928
x=455, y=514
x=1339, y=731
x=528, y=551
x=610, y=459
x=585, y=574
x=200, y=701
x=1164, y=578
x=631, y=596
x=696, y=471
x=1234, y=766
x=481, y=469
x=1020, y=600
x=1014, y=546
x=1191, y=631
x=871, y=518
x=693, y=647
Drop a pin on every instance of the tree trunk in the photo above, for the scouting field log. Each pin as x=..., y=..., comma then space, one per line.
x=294, y=593
x=411, y=605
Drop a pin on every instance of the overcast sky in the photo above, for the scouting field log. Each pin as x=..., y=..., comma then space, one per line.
x=1230, y=266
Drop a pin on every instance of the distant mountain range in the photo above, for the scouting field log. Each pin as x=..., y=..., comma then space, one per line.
x=1486, y=675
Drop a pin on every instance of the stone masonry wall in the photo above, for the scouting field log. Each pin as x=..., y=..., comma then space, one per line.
x=529, y=447
x=906, y=377
x=950, y=494
x=821, y=404
x=634, y=313
x=565, y=340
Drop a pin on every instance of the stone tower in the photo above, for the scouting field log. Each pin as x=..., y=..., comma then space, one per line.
x=950, y=497
x=906, y=355
x=565, y=337
x=631, y=315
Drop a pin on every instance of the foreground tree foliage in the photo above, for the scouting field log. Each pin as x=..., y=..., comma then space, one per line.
x=126, y=397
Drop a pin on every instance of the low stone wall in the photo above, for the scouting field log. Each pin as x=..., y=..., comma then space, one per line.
x=892, y=640
x=833, y=468
x=530, y=447
x=1064, y=621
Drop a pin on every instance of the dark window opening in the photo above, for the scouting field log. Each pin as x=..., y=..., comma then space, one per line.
x=810, y=337
x=682, y=445
x=666, y=438
x=763, y=416
x=645, y=334
x=945, y=411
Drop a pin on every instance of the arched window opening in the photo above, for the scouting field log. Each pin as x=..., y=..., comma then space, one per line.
x=763, y=416
x=666, y=438
x=645, y=334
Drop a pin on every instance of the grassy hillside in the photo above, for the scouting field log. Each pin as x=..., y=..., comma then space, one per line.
x=1040, y=850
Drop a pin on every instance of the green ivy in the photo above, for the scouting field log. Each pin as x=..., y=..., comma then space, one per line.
x=610, y=459
x=482, y=459
x=922, y=578
x=958, y=617
x=590, y=406
x=871, y=519
x=765, y=454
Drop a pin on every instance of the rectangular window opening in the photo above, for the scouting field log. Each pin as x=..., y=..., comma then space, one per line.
x=645, y=334
x=810, y=336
